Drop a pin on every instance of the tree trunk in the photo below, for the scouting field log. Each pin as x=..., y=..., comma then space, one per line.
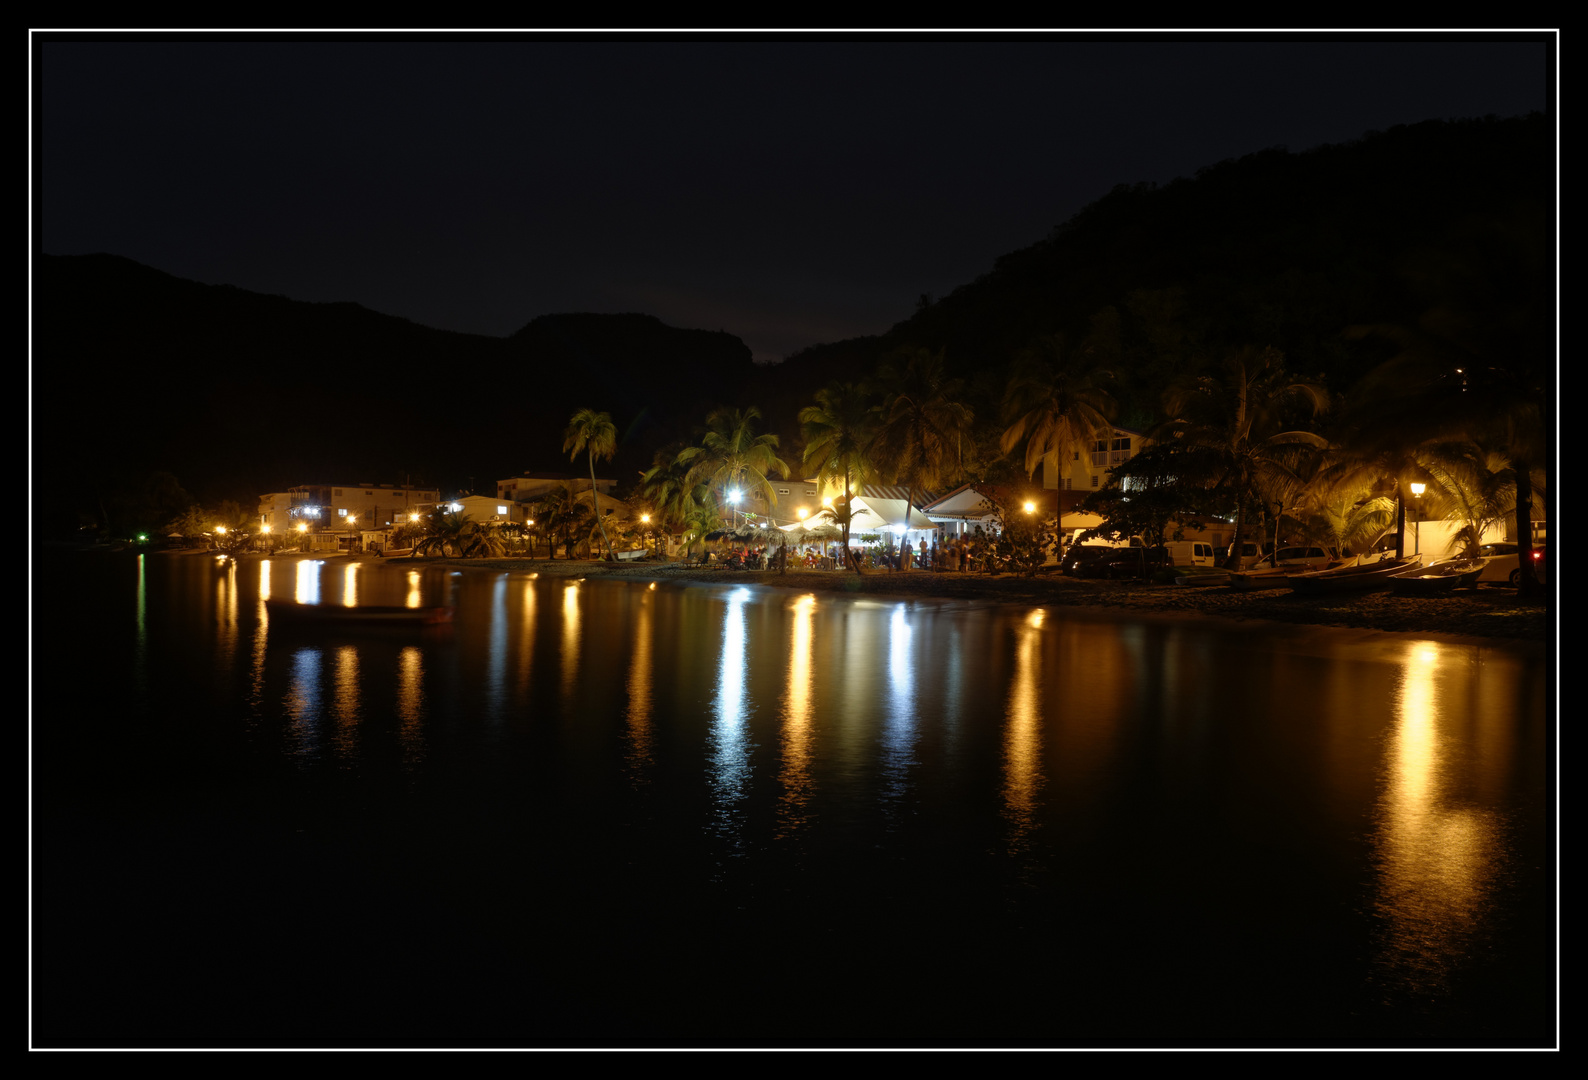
x=1232, y=561
x=1528, y=585
x=848, y=516
x=1400, y=523
x=595, y=504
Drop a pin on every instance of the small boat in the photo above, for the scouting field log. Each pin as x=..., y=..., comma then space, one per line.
x=1199, y=575
x=363, y=615
x=1363, y=577
x=1262, y=577
x=1438, y=578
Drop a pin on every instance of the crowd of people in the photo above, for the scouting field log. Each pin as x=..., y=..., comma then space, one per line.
x=955, y=555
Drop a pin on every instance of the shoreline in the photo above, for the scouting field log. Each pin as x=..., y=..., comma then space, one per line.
x=1492, y=613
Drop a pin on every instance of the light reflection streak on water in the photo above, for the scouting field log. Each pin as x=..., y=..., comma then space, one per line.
x=496, y=652
x=226, y=616
x=900, y=731
x=411, y=705
x=793, y=806
x=415, y=597
x=638, y=716
x=570, y=643
x=526, y=642
x=350, y=585
x=346, y=711
x=303, y=705
x=1435, y=860
x=306, y=588
x=1023, y=736
x=728, y=745
x=259, y=649
x=141, y=649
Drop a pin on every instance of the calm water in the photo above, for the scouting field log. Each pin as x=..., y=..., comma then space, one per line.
x=605, y=814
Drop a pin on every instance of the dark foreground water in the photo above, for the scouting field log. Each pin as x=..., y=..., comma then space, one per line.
x=602, y=814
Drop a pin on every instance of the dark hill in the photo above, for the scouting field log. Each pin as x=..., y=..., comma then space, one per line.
x=239, y=393
x=1274, y=248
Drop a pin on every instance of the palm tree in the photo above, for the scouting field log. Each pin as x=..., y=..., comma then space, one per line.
x=732, y=457
x=838, y=429
x=1233, y=419
x=444, y=529
x=921, y=422
x=594, y=433
x=1345, y=514
x=563, y=513
x=1472, y=485
x=1481, y=361
x=1053, y=407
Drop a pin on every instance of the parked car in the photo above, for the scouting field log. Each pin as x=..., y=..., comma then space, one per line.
x=1250, y=554
x=1134, y=562
x=1081, y=557
x=1500, y=564
x=1301, y=558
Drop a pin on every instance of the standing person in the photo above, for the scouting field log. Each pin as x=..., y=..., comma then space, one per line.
x=923, y=563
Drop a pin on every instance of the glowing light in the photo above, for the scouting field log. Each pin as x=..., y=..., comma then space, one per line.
x=1418, y=489
x=1031, y=507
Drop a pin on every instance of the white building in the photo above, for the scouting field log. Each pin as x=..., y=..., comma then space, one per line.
x=324, y=507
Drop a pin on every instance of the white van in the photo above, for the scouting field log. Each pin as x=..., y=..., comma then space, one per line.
x=1191, y=553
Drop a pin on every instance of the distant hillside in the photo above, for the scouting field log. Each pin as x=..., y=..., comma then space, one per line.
x=1275, y=248
x=237, y=393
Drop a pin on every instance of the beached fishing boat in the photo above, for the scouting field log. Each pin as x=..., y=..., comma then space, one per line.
x=1437, y=578
x=1358, y=578
x=1197, y=575
x=1261, y=577
x=364, y=615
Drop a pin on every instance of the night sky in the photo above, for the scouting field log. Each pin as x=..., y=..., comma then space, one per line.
x=786, y=191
